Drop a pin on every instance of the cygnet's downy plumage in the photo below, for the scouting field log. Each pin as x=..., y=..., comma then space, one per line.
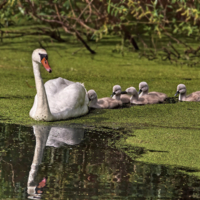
x=146, y=99
x=119, y=95
x=181, y=90
x=134, y=99
x=144, y=88
x=105, y=102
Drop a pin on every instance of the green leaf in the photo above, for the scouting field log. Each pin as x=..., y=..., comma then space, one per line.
x=175, y=30
x=116, y=12
x=112, y=11
x=109, y=6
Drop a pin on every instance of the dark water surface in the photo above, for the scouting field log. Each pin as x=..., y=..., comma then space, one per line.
x=76, y=163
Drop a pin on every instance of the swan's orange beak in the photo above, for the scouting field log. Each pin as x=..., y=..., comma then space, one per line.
x=46, y=65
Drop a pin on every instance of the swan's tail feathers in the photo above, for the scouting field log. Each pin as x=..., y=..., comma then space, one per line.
x=87, y=99
x=86, y=95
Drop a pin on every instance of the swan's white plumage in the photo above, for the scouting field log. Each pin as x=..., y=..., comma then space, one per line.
x=65, y=99
x=62, y=99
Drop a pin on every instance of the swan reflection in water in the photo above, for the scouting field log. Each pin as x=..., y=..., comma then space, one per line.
x=54, y=137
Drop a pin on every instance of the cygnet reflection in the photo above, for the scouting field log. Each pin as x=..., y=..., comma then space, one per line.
x=54, y=137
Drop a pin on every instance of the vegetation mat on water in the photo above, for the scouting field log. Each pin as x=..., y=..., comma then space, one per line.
x=166, y=146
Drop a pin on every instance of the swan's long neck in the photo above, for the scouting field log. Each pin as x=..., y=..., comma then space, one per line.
x=182, y=96
x=93, y=102
x=117, y=96
x=42, y=110
x=134, y=98
x=143, y=93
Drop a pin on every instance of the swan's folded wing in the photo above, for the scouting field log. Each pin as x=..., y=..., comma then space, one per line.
x=56, y=85
x=161, y=95
x=195, y=96
x=71, y=97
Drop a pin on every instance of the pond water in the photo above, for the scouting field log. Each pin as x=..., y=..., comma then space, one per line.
x=79, y=163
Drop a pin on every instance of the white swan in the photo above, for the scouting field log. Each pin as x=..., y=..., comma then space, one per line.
x=57, y=99
x=105, y=102
x=119, y=95
x=181, y=90
x=144, y=88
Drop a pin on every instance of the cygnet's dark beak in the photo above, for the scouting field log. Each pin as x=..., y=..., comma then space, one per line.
x=139, y=91
x=176, y=93
x=124, y=92
x=113, y=94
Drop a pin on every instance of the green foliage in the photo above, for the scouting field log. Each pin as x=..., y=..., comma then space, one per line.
x=128, y=19
x=6, y=13
x=178, y=16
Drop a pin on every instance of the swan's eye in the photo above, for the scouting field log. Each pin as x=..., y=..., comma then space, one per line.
x=43, y=56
